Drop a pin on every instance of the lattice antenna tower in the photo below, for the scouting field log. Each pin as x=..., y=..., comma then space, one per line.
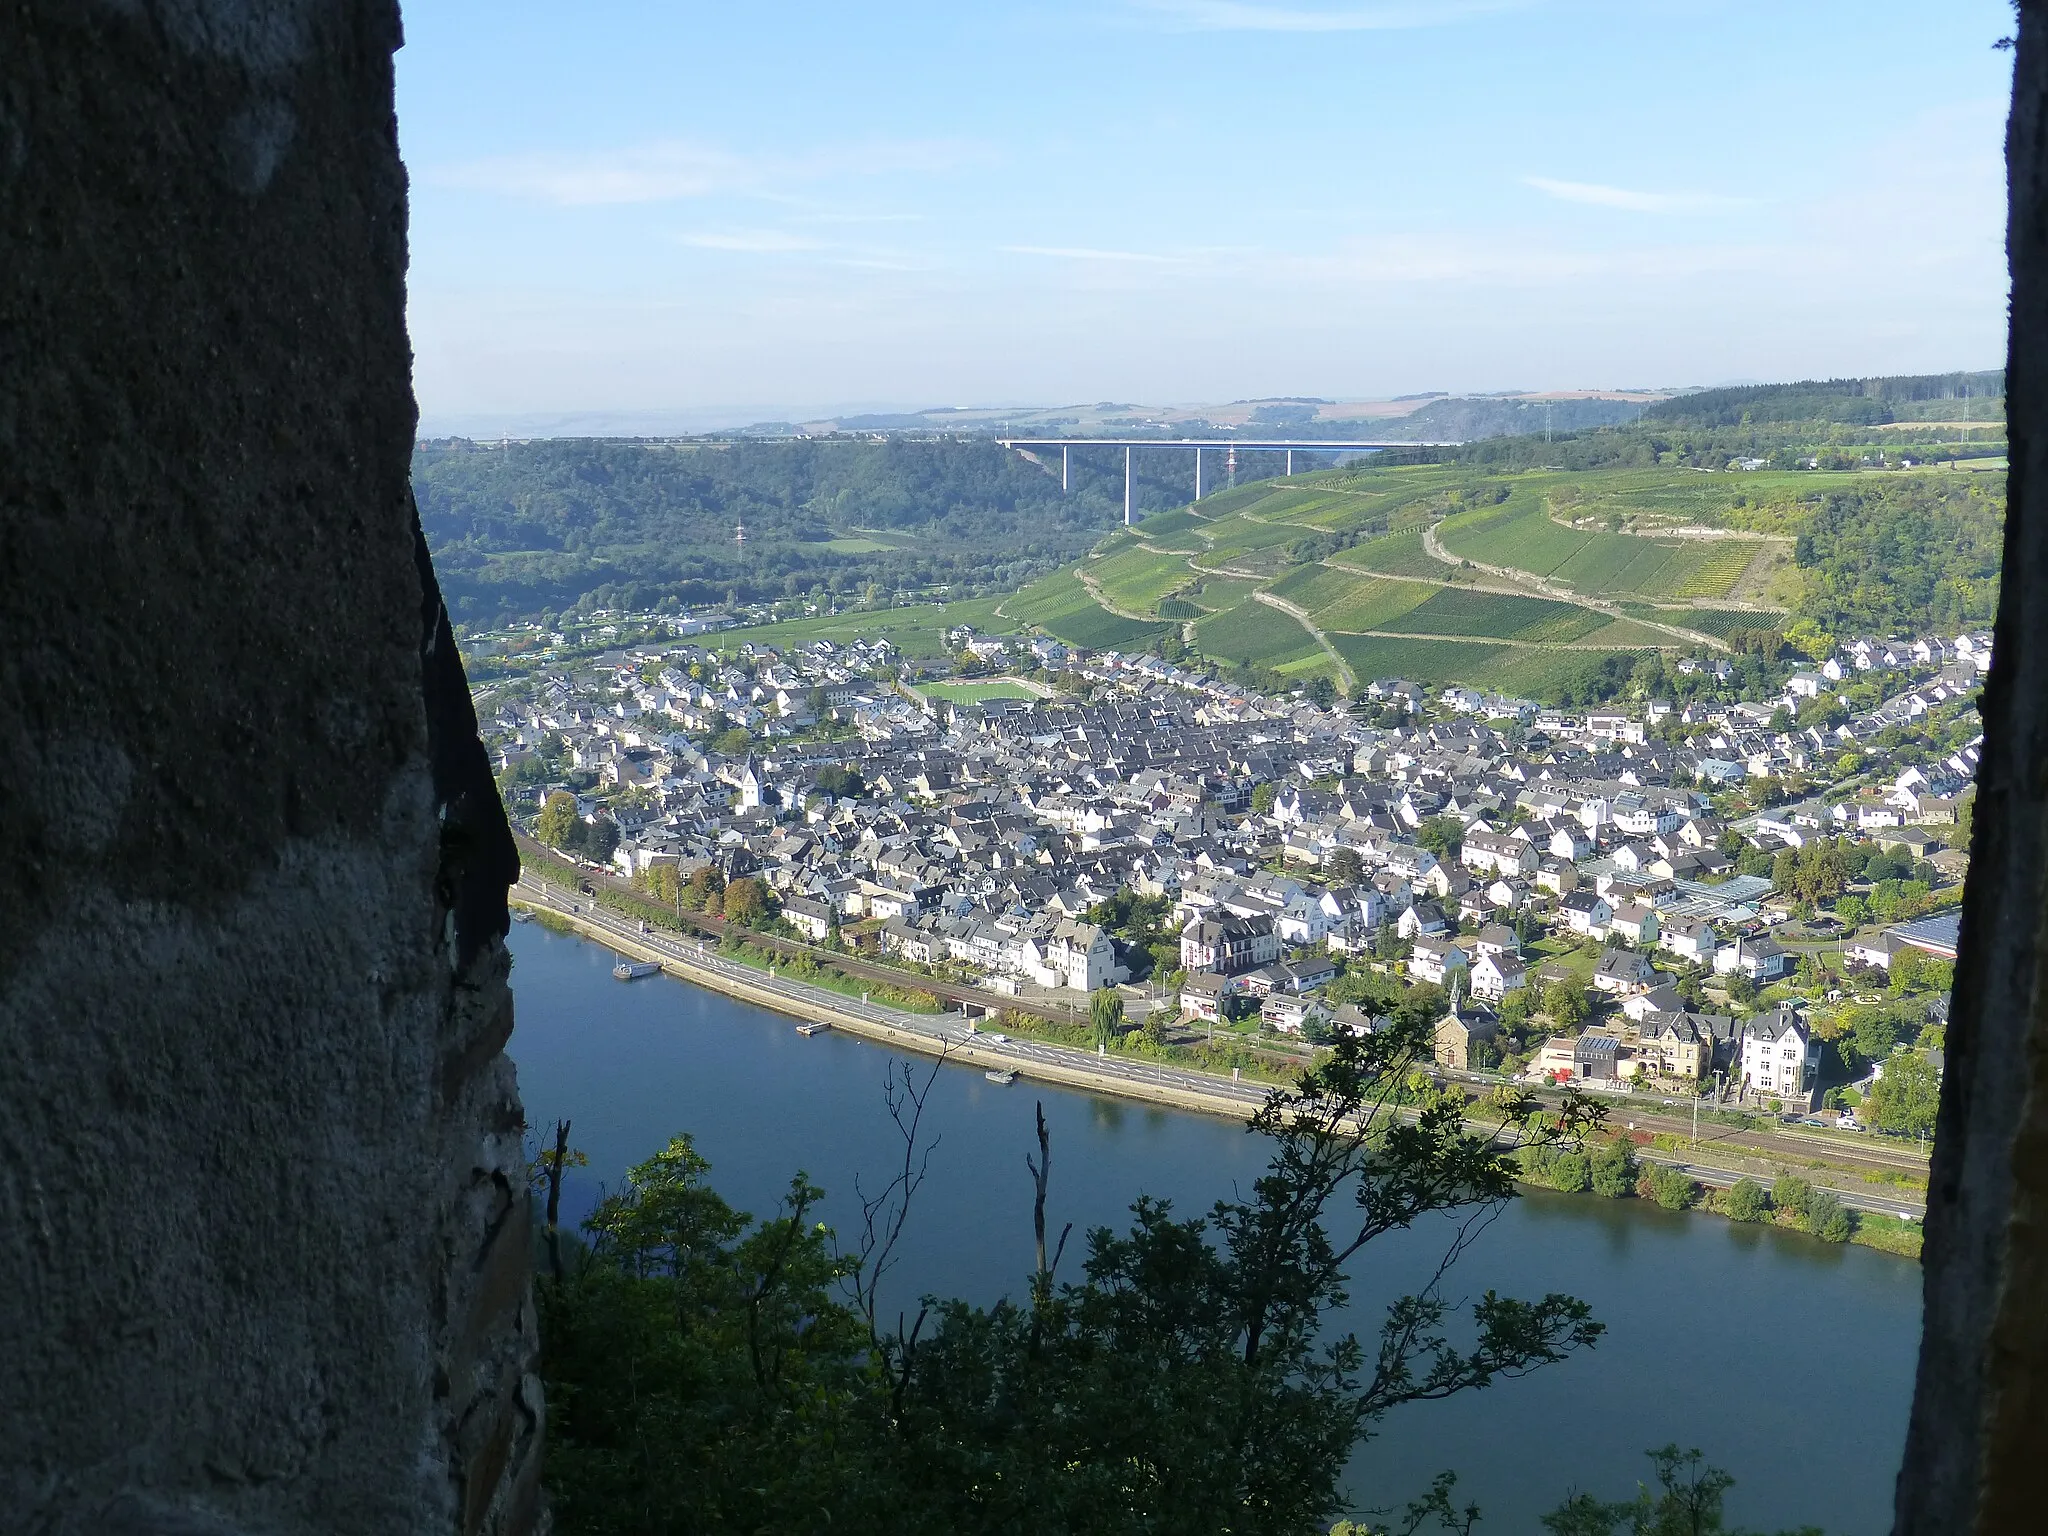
x=739, y=536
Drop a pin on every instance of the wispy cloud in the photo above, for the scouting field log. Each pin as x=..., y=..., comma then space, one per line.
x=1089, y=253
x=1252, y=16
x=673, y=170
x=754, y=241
x=1599, y=196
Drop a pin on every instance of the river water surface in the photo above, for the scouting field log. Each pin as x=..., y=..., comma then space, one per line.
x=1787, y=1361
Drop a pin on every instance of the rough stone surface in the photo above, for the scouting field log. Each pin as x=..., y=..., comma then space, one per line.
x=263, y=1195
x=1977, y=1448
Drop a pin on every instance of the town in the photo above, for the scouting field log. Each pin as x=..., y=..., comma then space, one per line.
x=1714, y=901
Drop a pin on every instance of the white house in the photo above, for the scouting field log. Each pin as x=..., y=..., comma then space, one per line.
x=1760, y=959
x=1495, y=975
x=1635, y=922
x=1690, y=939
x=1586, y=912
x=1493, y=852
x=1075, y=955
x=1778, y=1059
x=1434, y=959
x=1623, y=971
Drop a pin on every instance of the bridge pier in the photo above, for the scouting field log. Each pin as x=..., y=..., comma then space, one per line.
x=1290, y=461
x=1064, y=481
x=1198, y=474
x=1127, y=485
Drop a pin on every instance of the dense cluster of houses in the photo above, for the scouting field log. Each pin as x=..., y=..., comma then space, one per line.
x=982, y=835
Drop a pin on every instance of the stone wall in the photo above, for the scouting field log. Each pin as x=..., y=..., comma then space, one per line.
x=260, y=1167
x=1977, y=1449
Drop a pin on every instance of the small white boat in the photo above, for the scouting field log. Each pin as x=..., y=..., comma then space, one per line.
x=633, y=970
x=1001, y=1076
x=815, y=1027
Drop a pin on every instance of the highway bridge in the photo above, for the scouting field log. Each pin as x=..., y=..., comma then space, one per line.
x=1201, y=445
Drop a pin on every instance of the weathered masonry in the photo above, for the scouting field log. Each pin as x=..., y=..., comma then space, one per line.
x=261, y=1183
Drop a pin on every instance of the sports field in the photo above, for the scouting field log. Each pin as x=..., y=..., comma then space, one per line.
x=975, y=691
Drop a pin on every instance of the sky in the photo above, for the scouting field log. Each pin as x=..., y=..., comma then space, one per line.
x=670, y=215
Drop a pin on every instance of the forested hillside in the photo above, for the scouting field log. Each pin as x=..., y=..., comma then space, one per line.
x=541, y=525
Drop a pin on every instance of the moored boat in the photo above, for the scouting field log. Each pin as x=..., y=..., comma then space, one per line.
x=1001, y=1075
x=633, y=970
x=814, y=1027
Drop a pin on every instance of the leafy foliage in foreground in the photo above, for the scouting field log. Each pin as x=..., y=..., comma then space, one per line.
x=707, y=1372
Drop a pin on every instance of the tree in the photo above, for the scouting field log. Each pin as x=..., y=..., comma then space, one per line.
x=1263, y=796
x=1874, y=1034
x=1565, y=1003
x=710, y=1373
x=1106, y=1015
x=736, y=742
x=1442, y=836
x=1344, y=866
x=705, y=889
x=1687, y=1501
x=1905, y=1101
x=1321, y=692
x=749, y=901
x=840, y=782
x=557, y=817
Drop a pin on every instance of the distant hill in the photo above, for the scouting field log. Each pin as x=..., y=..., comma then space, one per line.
x=523, y=527
x=1853, y=402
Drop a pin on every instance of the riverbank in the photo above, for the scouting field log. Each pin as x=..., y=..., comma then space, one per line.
x=1884, y=1222
x=634, y=1064
x=944, y=1035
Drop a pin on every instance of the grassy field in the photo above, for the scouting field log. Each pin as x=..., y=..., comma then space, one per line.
x=1256, y=634
x=918, y=632
x=974, y=692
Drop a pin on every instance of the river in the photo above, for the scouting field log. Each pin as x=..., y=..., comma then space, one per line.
x=1786, y=1360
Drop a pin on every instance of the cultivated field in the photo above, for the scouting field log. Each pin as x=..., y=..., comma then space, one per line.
x=1255, y=634
x=1064, y=609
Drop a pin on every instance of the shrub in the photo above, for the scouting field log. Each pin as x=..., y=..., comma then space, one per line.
x=1571, y=1172
x=1615, y=1169
x=1827, y=1218
x=1747, y=1201
x=1668, y=1187
x=1790, y=1192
